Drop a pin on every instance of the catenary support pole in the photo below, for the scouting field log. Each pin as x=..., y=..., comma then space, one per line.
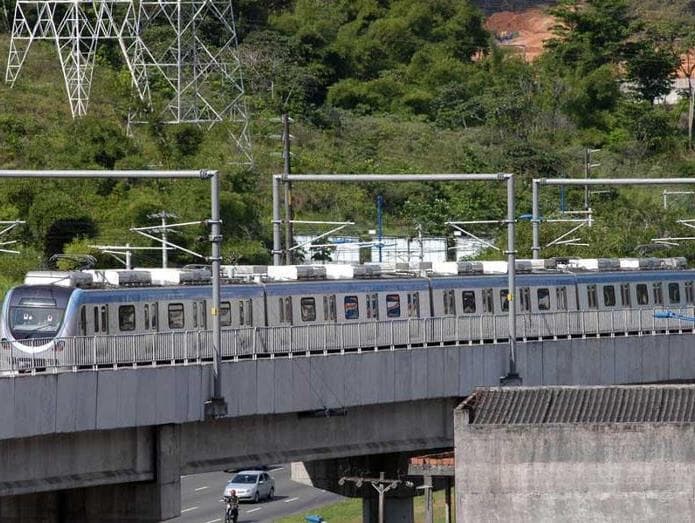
x=216, y=407
x=535, y=222
x=286, y=155
x=277, y=245
x=512, y=378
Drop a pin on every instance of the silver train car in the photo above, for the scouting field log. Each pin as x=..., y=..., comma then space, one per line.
x=457, y=304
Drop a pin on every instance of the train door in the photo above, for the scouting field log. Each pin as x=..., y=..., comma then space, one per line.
x=330, y=319
x=416, y=330
x=350, y=312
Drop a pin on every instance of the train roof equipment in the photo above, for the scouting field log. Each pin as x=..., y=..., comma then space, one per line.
x=59, y=278
x=120, y=278
x=259, y=273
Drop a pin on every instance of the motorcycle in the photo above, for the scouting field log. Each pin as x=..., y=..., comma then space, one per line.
x=231, y=513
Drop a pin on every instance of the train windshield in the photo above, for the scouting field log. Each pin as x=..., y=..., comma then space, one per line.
x=35, y=318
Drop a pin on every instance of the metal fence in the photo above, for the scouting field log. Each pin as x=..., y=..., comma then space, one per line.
x=187, y=347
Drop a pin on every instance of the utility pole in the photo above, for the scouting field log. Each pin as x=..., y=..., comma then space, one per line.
x=380, y=484
x=380, y=224
x=163, y=215
x=419, y=240
x=588, y=165
x=286, y=156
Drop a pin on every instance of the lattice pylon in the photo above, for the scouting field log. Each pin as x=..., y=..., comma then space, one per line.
x=200, y=66
x=76, y=26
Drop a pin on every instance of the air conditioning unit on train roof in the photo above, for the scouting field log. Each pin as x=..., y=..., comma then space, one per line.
x=368, y=270
x=120, y=277
x=166, y=276
x=59, y=278
x=339, y=271
x=595, y=264
x=296, y=272
x=243, y=271
x=678, y=262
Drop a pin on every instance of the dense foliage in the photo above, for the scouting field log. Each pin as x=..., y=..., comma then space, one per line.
x=374, y=86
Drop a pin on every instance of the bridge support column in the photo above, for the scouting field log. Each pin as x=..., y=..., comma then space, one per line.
x=396, y=510
x=137, y=502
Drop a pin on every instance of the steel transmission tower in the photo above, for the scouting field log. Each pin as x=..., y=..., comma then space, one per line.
x=191, y=46
x=188, y=48
x=75, y=27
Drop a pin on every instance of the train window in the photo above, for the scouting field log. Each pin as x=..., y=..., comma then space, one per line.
x=352, y=308
x=195, y=314
x=449, y=303
x=468, y=302
x=658, y=293
x=591, y=298
x=543, y=295
x=105, y=319
x=83, y=320
x=689, y=294
x=202, y=309
x=625, y=294
x=488, y=305
x=154, y=310
x=609, y=296
x=126, y=317
x=176, y=316
x=504, y=300
x=642, y=294
x=225, y=314
x=285, y=307
x=249, y=312
x=393, y=306
x=413, y=305
x=561, y=298
x=96, y=319
x=147, y=317
x=674, y=293
x=525, y=299
x=308, y=306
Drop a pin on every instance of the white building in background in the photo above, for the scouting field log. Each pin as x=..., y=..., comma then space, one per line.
x=407, y=250
x=346, y=249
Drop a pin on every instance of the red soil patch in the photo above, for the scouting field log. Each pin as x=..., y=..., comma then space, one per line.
x=524, y=30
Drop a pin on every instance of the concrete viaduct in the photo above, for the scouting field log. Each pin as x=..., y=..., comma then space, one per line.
x=112, y=444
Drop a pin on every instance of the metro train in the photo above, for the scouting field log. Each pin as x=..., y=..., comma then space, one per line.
x=39, y=316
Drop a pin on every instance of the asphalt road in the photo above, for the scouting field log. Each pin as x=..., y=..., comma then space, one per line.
x=201, y=499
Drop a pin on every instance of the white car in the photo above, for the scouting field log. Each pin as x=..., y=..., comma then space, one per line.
x=251, y=485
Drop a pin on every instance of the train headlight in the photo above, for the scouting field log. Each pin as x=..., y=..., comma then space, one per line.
x=60, y=345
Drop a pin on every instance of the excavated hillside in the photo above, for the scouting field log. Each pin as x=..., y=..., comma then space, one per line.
x=523, y=30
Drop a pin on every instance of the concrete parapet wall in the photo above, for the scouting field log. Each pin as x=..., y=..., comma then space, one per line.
x=143, y=397
x=598, y=472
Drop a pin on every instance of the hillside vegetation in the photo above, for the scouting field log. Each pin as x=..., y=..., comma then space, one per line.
x=374, y=86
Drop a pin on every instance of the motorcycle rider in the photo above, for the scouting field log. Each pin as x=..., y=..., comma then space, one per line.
x=232, y=507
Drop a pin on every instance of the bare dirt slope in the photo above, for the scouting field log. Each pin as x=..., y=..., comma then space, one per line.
x=525, y=30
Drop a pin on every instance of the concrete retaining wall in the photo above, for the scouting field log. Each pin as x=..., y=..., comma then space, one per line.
x=612, y=472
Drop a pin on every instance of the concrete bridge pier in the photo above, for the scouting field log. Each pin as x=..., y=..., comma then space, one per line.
x=137, y=502
x=343, y=476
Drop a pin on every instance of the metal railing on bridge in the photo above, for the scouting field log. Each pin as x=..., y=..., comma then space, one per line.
x=191, y=347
